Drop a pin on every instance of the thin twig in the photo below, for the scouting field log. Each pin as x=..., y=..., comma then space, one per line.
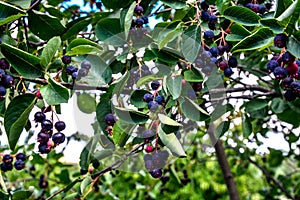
x=33, y=5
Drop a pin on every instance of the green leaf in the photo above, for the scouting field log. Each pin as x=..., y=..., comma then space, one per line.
x=234, y=38
x=131, y=116
x=222, y=5
x=21, y=194
x=85, y=184
x=76, y=28
x=293, y=46
x=87, y=152
x=222, y=128
x=242, y=15
x=51, y=26
x=174, y=4
x=49, y=51
x=24, y=63
x=119, y=85
x=238, y=29
x=278, y=105
x=109, y=31
x=167, y=120
x=255, y=104
x=121, y=133
x=25, y=4
x=54, y=11
x=192, y=111
x=103, y=108
x=10, y=18
x=128, y=18
x=191, y=42
x=136, y=98
x=281, y=6
x=16, y=117
x=86, y=103
x=80, y=41
x=115, y=4
x=261, y=38
x=146, y=79
x=289, y=11
x=290, y=116
x=84, y=49
x=246, y=125
x=272, y=24
x=174, y=86
x=192, y=75
x=71, y=185
x=275, y=157
x=172, y=142
x=99, y=155
x=170, y=36
x=54, y=93
x=7, y=10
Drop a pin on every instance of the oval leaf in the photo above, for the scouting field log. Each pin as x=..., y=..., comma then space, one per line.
x=86, y=103
x=174, y=86
x=131, y=116
x=192, y=111
x=50, y=50
x=167, y=120
x=54, y=93
x=191, y=42
x=242, y=15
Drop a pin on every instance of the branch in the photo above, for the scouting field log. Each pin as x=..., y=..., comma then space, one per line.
x=270, y=177
x=245, y=96
x=240, y=89
x=160, y=11
x=33, y=5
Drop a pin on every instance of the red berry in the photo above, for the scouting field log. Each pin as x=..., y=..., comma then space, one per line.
x=149, y=149
x=38, y=95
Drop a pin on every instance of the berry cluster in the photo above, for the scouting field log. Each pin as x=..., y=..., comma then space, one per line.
x=261, y=9
x=7, y=162
x=74, y=71
x=154, y=100
x=46, y=132
x=6, y=80
x=137, y=28
x=110, y=120
x=207, y=16
x=155, y=161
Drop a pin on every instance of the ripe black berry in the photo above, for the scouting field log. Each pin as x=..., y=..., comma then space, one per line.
x=290, y=95
x=152, y=105
x=280, y=72
x=99, y=5
x=139, y=22
x=7, y=81
x=86, y=64
x=156, y=173
x=2, y=91
x=2, y=73
x=205, y=15
x=47, y=125
x=39, y=117
x=228, y=72
x=44, y=148
x=206, y=70
x=213, y=19
x=71, y=69
x=60, y=125
x=204, y=5
x=110, y=119
x=83, y=171
x=58, y=138
x=148, y=97
x=280, y=40
x=271, y=65
x=42, y=182
x=287, y=82
x=6, y=167
x=7, y=158
x=21, y=156
x=146, y=20
x=209, y=35
x=4, y=64
x=96, y=164
x=74, y=75
x=43, y=137
x=155, y=85
x=295, y=86
x=197, y=86
x=82, y=72
x=138, y=10
x=232, y=62
x=19, y=164
x=287, y=58
x=214, y=51
x=160, y=99
x=66, y=60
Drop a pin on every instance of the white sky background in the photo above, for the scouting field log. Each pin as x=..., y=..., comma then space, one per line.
x=77, y=121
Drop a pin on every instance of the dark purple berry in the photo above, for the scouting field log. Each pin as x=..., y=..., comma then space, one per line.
x=295, y=86
x=4, y=64
x=212, y=26
x=153, y=106
x=96, y=164
x=74, y=75
x=271, y=65
x=290, y=95
x=214, y=51
x=197, y=86
x=7, y=158
x=2, y=91
x=58, y=138
x=209, y=35
x=83, y=171
x=43, y=137
x=287, y=82
x=198, y=62
x=148, y=134
x=66, y=60
x=19, y=164
x=204, y=5
x=160, y=99
x=249, y=5
x=255, y=8
x=2, y=74
x=60, y=125
x=7, y=81
x=86, y=64
x=228, y=72
x=280, y=72
x=138, y=10
x=146, y=20
x=223, y=65
x=110, y=119
x=287, y=58
x=213, y=19
x=6, y=167
x=47, y=125
x=148, y=97
x=280, y=40
x=262, y=9
x=205, y=15
x=82, y=73
x=99, y=5
x=21, y=156
x=232, y=62
x=71, y=69
x=206, y=70
x=39, y=117
x=155, y=85
x=221, y=50
x=42, y=182
x=156, y=173
x=44, y=148
x=139, y=22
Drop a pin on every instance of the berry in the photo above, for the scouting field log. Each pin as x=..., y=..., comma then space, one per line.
x=214, y=51
x=149, y=149
x=155, y=85
x=255, y=8
x=43, y=137
x=280, y=40
x=287, y=82
x=19, y=164
x=197, y=86
x=271, y=65
x=205, y=15
x=206, y=70
x=138, y=10
x=292, y=69
x=209, y=35
x=83, y=171
x=86, y=64
x=280, y=72
x=160, y=99
x=44, y=148
x=110, y=119
x=2, y=91
x=148, y=97
x=146, y=20
x=47, y=125
x=204, y=5
x=42, y=182
x=82, y=72
x=99, y=5
x=6, y=167
x=4, y=64
x=39, y=117
x=228, y=72
x=148, y=134
x=198, y=62
x=74, y=75
x=221, y=50
x=289, y=95
x=60, y=125
x=139, y=22
x=58, y=138
x=212, y=26
x=66, y=60
x=71, y=69
x=7, y=81
x=262, y=9
x=2, y=73
x=295, y=86
x=287, y=58
x=7, y=158
x=232, y=62
x=223, y=65
x=156, y=173
x=153, y=106
x=213, y=19
x=96, y=164
x=21, y=156
x=38, y=95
